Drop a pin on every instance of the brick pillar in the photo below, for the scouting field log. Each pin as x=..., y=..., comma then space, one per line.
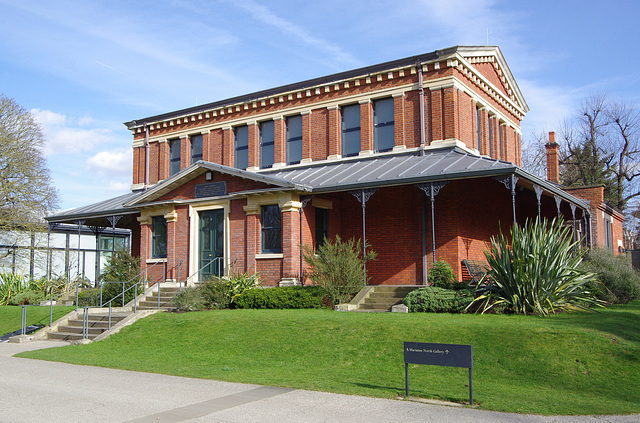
x=279, y=149
x=306, y=137
x=553, y=161
x=254, y=146
x=172, y=260
x=437, y=119
x=449, y=113
x=484, y=131
x=252, y=239
x=163, y=160
x=335, y=132
x=185, y=152
x=227, y=146
x=366, y=127
x=399, y=120
x=216, y=146
x=291, y=241
x=206, y=146
x=145, y=241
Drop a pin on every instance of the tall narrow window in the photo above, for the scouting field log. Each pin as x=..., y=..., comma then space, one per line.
x=294, y=139
x=490, y=138
x=158, y=237
x=478, y=132
x=350, y=130
x=266, y=144
x=242, y=147
x=322, y=227
x=271, y=221
x=196, y=148
x=383, y=125
x=174, y=156
x=608, y=233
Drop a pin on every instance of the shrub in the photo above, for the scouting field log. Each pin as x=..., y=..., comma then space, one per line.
x=121, y=267
x=619, y=283
x=216, y=293
x=89, y=298
x=12, y=284
x=27, y=297
x=438, y=300
x=337, y=267
x=442, y=276
x=282, y=298
x=541, y=273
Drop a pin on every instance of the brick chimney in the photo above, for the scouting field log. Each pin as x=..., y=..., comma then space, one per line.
x=553, y=159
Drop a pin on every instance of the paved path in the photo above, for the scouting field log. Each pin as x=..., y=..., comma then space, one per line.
x=40, y=391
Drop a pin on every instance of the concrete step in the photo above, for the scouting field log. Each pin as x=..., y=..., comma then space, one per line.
x=150, y=303
x=65, y=336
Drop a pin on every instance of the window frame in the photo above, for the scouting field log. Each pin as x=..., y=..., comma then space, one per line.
x=196, y=155
x=291, y=139
x=270, y=229
x=158, y=222
x=174, y=155
x=241, y=134
x=267, y=145
x=379, y=126
x=346, y=131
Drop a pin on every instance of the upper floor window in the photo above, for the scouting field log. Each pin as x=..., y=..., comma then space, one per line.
x=383, y=125
x=158, y=237
x=271, y=221
x=174, y=156
x=294, y=139
x=500, y=143
x=350, y=130
x=266, y=144
x=196, y=148
x=242, y=147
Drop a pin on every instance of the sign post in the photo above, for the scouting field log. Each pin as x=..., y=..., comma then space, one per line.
x=451, y=355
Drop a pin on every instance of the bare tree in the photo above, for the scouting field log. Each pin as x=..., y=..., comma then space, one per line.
x=26, y=190
x=534, y=154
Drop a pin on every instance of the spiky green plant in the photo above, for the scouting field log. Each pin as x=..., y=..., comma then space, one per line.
x=12, y=284
x=541, y=272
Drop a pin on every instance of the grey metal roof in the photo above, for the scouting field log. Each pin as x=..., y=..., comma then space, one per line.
x=394, y=169
x=106, y=208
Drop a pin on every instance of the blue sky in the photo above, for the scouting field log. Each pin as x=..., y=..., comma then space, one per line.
x=85, y=67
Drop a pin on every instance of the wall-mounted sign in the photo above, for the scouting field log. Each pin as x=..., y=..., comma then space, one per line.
x=211, y=189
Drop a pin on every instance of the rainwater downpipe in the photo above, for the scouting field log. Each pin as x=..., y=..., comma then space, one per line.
x=425, y=276
x=421, y=98
x=146, y=156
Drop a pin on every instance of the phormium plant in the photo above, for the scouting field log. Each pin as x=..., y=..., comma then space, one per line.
x=540, y=272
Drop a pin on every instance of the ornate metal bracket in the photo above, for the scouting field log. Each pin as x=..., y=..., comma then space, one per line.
x=509, y=181
x=363, y=195
x=431, y=189
x=114, y=220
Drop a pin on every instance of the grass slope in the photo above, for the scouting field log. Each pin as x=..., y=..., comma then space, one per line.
x=11, y=316
x=581, y=363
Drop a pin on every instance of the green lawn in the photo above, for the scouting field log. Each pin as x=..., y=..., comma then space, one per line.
x=580, y=363
x=11, y=316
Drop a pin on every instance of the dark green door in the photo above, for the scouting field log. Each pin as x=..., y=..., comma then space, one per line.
x=211, y=243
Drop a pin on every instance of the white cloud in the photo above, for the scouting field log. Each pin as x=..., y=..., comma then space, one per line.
x=63, y=140
x=116, y=187
x=47, y=117
x=111, y=163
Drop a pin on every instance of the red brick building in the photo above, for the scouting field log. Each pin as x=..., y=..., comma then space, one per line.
x=420, y=156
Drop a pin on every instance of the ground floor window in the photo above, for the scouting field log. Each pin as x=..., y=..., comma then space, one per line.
x=158, y=237
x=322, y=227
x=271, y=221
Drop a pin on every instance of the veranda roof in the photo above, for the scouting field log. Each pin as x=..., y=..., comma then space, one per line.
x=391, y=169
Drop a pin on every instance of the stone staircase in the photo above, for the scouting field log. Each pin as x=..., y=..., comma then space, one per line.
x=70, y=327
x=167, y=294
x=381, y=298
x=98, y=323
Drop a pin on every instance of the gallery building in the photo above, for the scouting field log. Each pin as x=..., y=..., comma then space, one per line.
x=419, y=156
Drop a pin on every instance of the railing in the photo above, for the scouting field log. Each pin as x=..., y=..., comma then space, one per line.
x=144, y=283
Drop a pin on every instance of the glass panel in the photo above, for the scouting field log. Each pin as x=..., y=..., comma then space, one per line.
x=350, y=143
x=351, y=117
x=174, y=157
x=383, y=138
x=350, y=130
x=271, y=221
x=294, y=139
x=321, y=226
x=383, y=111
x=196, y=148
x=242, y=147
x=266, y=144
x=159, y=237
x=105, y=243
